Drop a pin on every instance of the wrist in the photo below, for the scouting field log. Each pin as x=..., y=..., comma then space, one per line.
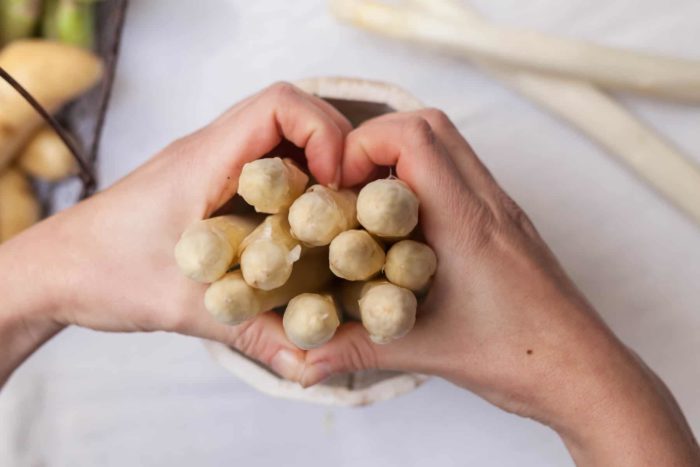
x=620, y=413
x=27, y=303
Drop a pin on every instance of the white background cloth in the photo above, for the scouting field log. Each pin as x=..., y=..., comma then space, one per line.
x=89, y=399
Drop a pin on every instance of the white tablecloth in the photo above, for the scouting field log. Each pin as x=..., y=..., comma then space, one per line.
x=92, y=399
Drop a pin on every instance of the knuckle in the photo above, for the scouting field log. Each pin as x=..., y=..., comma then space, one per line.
x=510, y=217
x=360, y=355
x=437, y=118
x=280, y=90
x=418, y=130
x=249, y=337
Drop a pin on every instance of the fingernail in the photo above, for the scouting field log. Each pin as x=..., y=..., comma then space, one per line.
x=336, y=181
x=288, y=365
x=315, y=373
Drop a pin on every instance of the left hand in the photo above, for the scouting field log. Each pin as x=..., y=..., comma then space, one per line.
x=107, y=263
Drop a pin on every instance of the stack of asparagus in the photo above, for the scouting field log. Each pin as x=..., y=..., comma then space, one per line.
x=308, y=237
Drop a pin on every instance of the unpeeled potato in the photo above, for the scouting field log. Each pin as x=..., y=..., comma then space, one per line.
x=19, y=207
x=47, y=157
x=52, y=73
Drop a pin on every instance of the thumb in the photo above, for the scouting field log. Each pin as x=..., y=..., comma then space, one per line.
x=261, y=338
x=350, y=350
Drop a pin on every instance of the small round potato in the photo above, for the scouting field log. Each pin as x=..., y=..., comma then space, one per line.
x=47, y=157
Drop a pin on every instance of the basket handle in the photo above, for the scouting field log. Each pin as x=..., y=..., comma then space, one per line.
x=86, y=173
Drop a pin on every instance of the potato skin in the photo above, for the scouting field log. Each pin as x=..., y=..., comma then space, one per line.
x=19, y=207
x=52, y=73
x=46, y=157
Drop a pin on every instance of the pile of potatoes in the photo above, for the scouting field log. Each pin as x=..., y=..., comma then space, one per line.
x=317, y=251
x=54, y=74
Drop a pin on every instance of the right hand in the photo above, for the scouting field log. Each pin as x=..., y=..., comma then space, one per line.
x=502, y=319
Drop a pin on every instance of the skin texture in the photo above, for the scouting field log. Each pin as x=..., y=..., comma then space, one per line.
x=501, y=319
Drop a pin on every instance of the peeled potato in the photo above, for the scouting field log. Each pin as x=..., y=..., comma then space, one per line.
x=52, y=73
x=47, y=157
x=19, y=208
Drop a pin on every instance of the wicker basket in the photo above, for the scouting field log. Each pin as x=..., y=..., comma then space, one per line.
x=81, y=121
x=359, y=100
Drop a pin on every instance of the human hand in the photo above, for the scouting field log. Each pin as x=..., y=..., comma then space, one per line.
x=502, y=319
x=107, y=263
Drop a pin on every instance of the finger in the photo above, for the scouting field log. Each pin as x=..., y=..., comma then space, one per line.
x=404, y=140
x=339, y=119
x=351, y=350
x=261, y=338
x=254, y=128
x=343, y=124
x=471, y=168
x=408, y=142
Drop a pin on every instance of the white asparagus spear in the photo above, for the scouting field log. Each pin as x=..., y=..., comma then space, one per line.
x=271, y=185
x=268, y=253
x=310, y=320
x=321, y=213
x=208, y=248
x=387, y=311
x=387, y=208
x=410, y=264
x=231, y=300
x=598, y=116
x=355, y=256
x=666, y=77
